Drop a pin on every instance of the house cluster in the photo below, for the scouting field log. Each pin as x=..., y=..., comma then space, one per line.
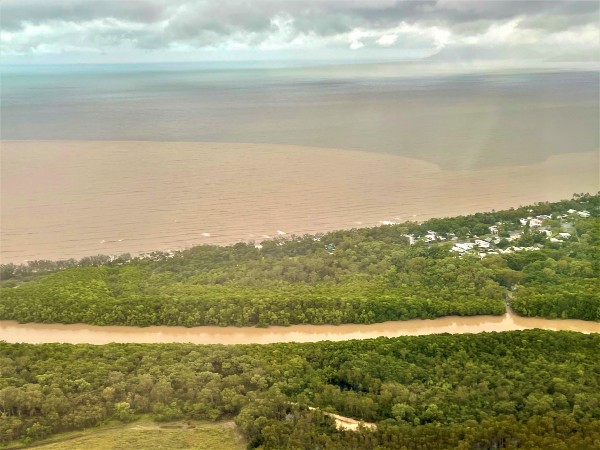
x=560, y=237
x=432, y=236
x=584, y=214
x=487, y=245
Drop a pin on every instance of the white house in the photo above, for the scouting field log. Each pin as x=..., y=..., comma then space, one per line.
x=532, y=222
x=535, y=223
x=482, y=244
x=565, y=235
x=584, y=213
x=462, y=247
x=514, y=235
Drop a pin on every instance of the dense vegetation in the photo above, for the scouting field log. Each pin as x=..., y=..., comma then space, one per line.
x=133, y=295
x=523, y=389
x=561, y=281
x=356, y=276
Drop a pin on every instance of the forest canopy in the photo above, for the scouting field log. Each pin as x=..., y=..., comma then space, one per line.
x=521, y=389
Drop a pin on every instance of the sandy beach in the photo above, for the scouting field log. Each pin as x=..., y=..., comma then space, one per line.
x=69, y=199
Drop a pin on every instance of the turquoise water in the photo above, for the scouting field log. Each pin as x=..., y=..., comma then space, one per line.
x=458, y=121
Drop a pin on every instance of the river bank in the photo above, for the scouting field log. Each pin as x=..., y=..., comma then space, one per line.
x=31, y=333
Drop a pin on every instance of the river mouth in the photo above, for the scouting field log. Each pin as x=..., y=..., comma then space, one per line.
x=33, y=333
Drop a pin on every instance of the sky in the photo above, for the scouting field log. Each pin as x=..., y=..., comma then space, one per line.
x=116, y=31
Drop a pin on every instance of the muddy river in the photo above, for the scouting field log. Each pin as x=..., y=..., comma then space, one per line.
x=12, y=331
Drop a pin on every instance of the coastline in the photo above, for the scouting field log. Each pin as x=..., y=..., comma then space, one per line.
x=113, y=197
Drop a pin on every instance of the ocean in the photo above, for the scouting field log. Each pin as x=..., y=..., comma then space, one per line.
x=136, y=158
x=452, y=119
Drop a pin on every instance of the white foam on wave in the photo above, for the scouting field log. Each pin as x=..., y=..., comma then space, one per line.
x=206, y=234
x=281, y=233
x=387, y=222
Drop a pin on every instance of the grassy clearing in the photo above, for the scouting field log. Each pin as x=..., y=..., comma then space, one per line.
x=145, y=434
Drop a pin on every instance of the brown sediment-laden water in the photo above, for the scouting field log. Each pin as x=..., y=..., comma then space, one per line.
x=70, y=199
x=12, y=331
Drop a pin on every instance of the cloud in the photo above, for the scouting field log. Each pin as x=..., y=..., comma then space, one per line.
x=387, y=39
x=381, y=27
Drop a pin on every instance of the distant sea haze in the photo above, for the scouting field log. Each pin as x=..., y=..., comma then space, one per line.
x=457, y=121
x=115, y=159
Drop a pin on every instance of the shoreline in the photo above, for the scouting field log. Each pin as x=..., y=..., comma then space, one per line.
x=72, y=199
